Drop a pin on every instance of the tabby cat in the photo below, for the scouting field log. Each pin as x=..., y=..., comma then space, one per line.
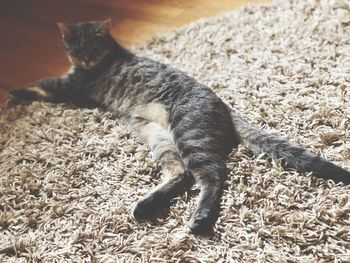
x=188, y=128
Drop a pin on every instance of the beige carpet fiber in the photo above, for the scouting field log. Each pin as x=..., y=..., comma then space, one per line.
x=69, y=177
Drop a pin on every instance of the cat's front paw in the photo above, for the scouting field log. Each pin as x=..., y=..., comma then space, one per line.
x=27, y=94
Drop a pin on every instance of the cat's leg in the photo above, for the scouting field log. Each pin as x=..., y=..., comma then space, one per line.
x=53, y=90
x=176, y=180
x=209, y=174
x=204, y=136
x=30, y=94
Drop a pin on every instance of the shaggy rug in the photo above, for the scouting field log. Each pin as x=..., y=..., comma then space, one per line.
x=69, y=177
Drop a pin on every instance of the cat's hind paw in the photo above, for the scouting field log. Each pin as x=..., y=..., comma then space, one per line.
x=143, y=210
x=202, y=223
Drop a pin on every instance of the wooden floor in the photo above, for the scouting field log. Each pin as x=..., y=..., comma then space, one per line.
x=30, y=44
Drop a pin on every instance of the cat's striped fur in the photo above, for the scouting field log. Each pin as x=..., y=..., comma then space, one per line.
x=189, y=129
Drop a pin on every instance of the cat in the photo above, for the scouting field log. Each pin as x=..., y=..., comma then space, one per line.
x=188, y=128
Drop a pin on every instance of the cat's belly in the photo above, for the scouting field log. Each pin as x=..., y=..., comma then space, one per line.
x=151, y=112
x=151, y=122
x=136, y=116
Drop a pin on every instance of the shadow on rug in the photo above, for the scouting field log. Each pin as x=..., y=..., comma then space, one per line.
x=69, y=177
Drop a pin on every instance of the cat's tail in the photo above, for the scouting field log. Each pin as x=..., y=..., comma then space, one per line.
x=294, y=156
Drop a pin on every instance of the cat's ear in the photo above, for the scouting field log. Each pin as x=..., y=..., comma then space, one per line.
x=65, y=29
x=104, y=28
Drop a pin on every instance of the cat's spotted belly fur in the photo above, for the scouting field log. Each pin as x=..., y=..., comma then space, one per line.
x=151, y=122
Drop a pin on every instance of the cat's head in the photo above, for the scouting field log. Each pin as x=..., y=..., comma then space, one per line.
x=88, y=43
